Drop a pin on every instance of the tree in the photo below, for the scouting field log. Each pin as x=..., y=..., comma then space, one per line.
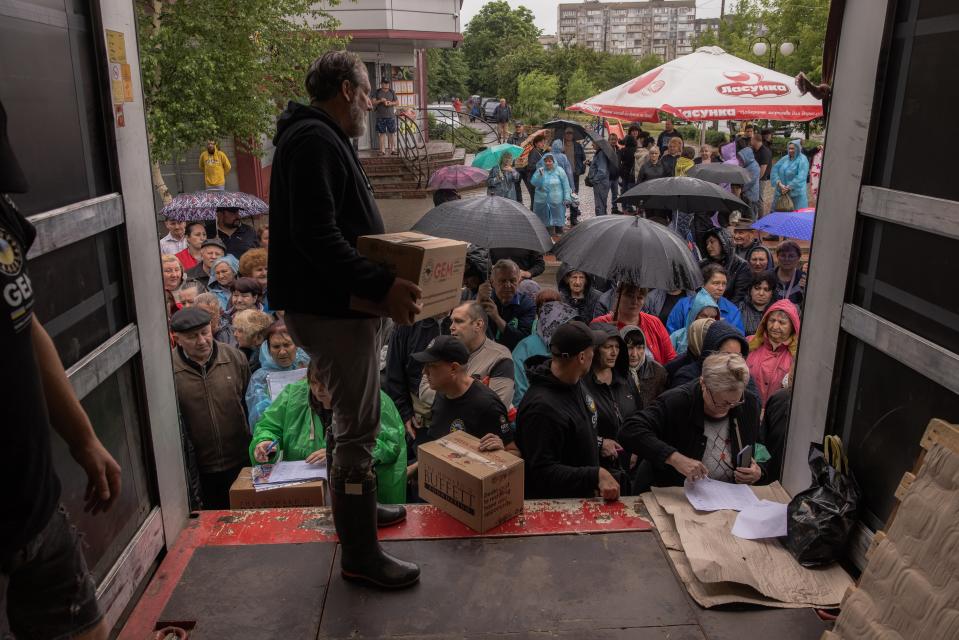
x=447, y=74
x=492, y=34
x=537, y=90
x=516, y=63
x=223, y=67
x=579, y=87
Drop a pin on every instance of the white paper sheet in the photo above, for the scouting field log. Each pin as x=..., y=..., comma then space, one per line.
x=298, y=470
x=764, y=519
x=279, y=380
x=711, y=495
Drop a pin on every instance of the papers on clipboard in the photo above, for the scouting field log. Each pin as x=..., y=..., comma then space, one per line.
x=712, y=495
x=285, y=474
x=279, y=380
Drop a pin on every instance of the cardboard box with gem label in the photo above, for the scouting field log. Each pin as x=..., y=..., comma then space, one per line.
x=481, y=489
x=244, y=496
x=435, y=264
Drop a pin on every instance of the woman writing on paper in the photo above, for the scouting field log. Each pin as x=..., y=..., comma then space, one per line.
x=298, y=418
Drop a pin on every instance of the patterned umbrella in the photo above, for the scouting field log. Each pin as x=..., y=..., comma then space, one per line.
x=489, y=158
x=202, y=205
x=457, y=177
x=788, y=224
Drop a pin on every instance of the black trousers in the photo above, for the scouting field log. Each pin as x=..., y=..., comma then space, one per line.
x=215, y=487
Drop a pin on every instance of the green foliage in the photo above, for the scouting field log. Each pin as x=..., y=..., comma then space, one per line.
x=537, y=90
x=447, y=74
x=224, y=67
x=716, y=138
x=802, y=22
x=579, y=87
x=490, y=35
x=514, y=64
x=689, y=132
x=466, y=137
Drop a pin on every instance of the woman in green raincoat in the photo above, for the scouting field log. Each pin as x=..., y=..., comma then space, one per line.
x=297, y=419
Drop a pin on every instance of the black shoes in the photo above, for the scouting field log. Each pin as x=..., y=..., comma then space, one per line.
x=355, y=515
x=389, y=514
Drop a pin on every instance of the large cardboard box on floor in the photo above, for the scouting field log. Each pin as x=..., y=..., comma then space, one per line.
x=481, y=489
x=435, y=264
x=244, y=496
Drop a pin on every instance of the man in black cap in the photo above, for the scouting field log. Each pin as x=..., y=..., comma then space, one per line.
x=46, y=589
x=556, y=427
x=211, y=379
x=320, y=203
x=210, y=250
x=462, y=402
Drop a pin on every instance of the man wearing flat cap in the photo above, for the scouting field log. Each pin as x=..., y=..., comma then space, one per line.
x=556, y=427
x=210, y=250
x=211, y=378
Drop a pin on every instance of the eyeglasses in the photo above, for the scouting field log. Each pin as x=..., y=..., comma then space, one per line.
x=725, y=405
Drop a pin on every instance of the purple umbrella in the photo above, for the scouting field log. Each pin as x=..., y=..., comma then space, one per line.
x=789, y=224
x=202, y=205
x=457, y=177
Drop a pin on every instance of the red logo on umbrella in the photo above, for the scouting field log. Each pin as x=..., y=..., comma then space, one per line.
x=647, y=84
x=751, y=85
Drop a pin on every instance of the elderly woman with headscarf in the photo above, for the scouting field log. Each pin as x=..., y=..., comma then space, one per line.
x=695, y=336
x=277, y=353
x=551, y=313
x=773, y=348
x=503, y=178
x=703, y=306
x=649, y=376
x=697, y=430
x=789, y=176
x=222, y=274
x=552, y=192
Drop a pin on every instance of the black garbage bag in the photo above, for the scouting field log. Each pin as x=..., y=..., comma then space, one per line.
x=820, y=519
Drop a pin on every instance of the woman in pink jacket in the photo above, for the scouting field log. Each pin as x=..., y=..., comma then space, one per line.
x=773, y=348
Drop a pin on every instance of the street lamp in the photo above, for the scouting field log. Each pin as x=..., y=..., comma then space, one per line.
x=764, y=46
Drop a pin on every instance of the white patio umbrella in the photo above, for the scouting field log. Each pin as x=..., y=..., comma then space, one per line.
x=708, y=84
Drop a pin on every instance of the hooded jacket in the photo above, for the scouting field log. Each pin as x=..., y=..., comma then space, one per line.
x=619, y=399
x=320, y=202
x=756, y=244
x=586, y=307
x=675, y=423
x=727, y=311
x=718, y=333
x=258, y=393
x=556, y=431
x=738, y=275
x=650, y=375
x=793, y=173
x=680, y=337
x=627, y=159
x=213, y=285
x=768, y=366
x=748, y=160
x=551, y=316
x=301, y=431
x=553, y=191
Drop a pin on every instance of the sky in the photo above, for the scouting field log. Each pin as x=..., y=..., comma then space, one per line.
x=545, y=10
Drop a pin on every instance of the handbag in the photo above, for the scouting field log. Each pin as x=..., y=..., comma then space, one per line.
x=784, y=203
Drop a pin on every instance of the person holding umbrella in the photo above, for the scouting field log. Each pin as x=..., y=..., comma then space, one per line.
x=552, y=194
x=599, y=177
x=533, y=158
x=503, y=178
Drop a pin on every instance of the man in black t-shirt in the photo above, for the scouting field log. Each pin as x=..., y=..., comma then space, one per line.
x=46, y=589
x=462, y=403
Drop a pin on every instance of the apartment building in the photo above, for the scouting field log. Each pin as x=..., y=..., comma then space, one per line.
x=664, y=27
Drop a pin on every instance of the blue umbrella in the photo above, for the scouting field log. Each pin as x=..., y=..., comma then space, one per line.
x=788, y=224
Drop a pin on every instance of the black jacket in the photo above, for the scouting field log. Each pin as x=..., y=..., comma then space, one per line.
x=627, y=159
x=773, y=432
x=403, y=373
x=527, y=260
x=519, y=314
x=675, y=423
x=586, y=307
x=738, y=275
x=556, y=433
x=320, y=202
x=650, y=171
x=718, y=333
x=615, y=401
x=668, y=163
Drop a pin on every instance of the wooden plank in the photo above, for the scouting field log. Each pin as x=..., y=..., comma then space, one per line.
x=876, y=539
x=904, y=484
x=943, y=433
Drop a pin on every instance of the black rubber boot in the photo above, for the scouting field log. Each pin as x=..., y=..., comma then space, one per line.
x=354, y=515
x=386, y=514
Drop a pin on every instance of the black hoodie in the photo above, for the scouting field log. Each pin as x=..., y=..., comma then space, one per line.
x=718, y=333
x=320, y=202
x=738, y=275
x=616, y=401
x=556, y=432
x=586, y=307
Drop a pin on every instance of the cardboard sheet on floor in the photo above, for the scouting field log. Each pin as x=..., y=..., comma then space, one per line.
x=707, y=595
x=716, y=556
x=909, y=588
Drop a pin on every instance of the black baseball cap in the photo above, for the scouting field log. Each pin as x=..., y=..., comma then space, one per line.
x=214, y=242
x=189, y=319
x=573, y=338
x=444, y=349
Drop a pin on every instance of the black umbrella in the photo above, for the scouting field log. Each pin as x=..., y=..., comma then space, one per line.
x=559, y=127
x=682, y=194
x=719, y=173
x=606, y=148
x=490, y=222
x=630, y=249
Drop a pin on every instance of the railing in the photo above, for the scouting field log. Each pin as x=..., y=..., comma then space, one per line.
x=413, y=150
x=457, y=122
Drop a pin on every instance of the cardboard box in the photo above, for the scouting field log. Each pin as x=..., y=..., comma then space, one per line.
x=244, y=496
x=480, y=489
x=435, y=264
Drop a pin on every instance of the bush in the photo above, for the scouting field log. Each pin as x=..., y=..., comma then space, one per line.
x=537, y=91
x=466, y=137
x=689, y=132
x=716, y=138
